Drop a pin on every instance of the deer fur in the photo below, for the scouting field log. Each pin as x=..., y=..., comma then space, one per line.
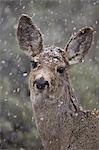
x=61, y=123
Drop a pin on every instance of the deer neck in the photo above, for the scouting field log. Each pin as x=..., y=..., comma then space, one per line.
x=50, y=106
x=53, y=117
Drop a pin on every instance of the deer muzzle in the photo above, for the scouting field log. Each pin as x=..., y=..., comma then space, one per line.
x=41, y=84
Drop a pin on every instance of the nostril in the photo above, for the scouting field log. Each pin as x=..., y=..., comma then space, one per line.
x=41, y=84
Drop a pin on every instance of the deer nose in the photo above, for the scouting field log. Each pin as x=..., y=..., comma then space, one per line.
x=41, y=84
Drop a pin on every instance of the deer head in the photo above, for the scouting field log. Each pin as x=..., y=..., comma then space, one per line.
x=49, y=65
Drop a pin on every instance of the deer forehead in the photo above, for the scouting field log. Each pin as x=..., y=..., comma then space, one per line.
x=51, y=56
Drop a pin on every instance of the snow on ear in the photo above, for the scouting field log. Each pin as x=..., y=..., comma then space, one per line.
x=29, y=37
x=79, y=44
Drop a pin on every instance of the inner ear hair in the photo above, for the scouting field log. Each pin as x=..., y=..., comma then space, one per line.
x=29, y=36
x=79, y=45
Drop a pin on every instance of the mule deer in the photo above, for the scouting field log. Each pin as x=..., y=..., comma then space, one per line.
x=60, y=121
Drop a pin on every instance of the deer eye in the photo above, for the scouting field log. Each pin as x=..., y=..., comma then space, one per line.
x=34, y=64
x=60, y=69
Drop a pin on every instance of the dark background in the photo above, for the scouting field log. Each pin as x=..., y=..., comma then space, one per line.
x=57, y=19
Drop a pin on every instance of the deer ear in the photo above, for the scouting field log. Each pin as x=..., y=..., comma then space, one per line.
x=79, y=44
x=29, y=37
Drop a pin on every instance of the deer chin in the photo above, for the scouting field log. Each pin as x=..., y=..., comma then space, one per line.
x=38, y=95
x=47, y=96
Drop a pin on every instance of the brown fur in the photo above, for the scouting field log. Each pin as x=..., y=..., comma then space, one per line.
x=60, y=121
